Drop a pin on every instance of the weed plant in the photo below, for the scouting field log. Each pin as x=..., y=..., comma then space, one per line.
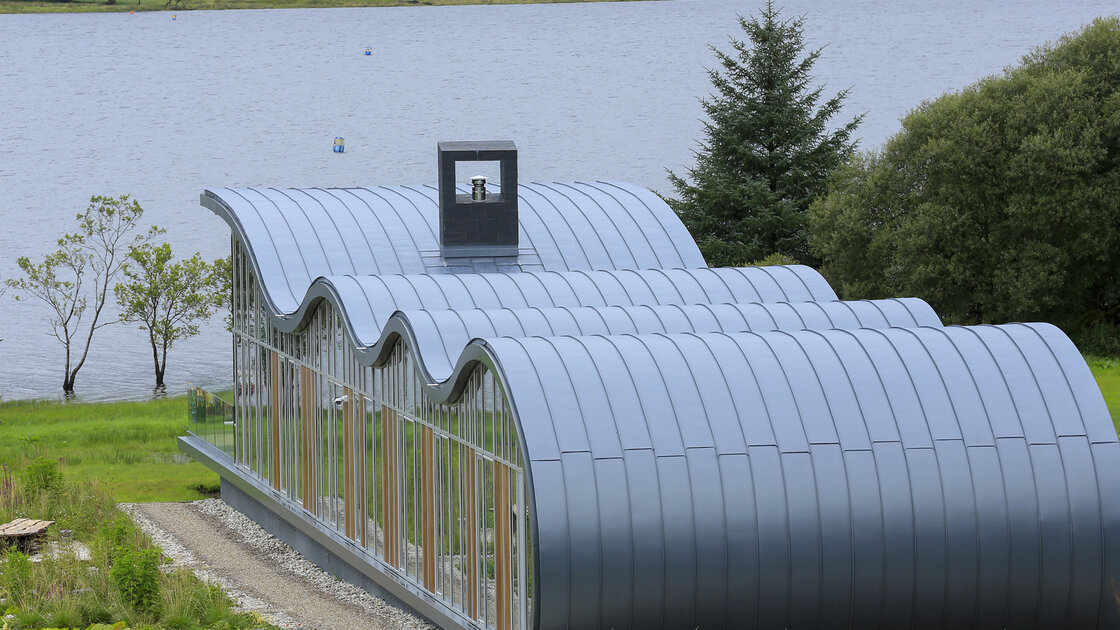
x=124, y=583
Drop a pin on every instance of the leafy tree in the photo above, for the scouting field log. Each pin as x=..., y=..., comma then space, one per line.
x=768, y=151
x=74, y=280
x=223, y=288
x=997, y=203
x=166, y=298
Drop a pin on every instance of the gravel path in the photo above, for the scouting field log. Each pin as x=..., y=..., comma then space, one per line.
x=260, y=572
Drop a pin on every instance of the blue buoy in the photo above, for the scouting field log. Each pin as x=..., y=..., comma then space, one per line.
x=339, y=145
x=369, y=51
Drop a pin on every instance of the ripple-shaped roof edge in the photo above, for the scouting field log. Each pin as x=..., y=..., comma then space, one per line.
x=367, y=301
x=436, y=338
x=608, y=302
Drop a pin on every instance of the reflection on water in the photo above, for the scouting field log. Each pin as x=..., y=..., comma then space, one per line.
x=141, y=104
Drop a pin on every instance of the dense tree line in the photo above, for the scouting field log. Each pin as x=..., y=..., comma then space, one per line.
x=1000, y=202
x=997, y=203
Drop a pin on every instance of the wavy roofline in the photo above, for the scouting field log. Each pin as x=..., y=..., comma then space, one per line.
x=399, y=326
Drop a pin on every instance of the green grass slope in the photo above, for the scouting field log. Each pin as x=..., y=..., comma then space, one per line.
x=128, y=446
x=1107, y=373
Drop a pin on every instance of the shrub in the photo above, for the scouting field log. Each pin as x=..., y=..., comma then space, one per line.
x=136, y=578
x=42, y=476
x=997, y=203
x=17, y=576
x=1101, y=339
x=64, y=613
x=776, y=258
x=29, y=619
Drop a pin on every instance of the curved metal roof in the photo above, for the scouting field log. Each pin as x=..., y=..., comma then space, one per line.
x=820, y=478
x=295, y=235
x=727, y=447
x=437, y=337
x=368, y=301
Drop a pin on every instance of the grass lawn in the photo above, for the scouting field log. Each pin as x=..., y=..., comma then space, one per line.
x=76, y=6
x=128, y=446
x=1107, y=372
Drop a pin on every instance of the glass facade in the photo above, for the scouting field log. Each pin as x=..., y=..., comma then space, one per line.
x=435, y=494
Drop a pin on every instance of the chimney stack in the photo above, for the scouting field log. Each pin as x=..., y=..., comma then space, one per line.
x=481, y=223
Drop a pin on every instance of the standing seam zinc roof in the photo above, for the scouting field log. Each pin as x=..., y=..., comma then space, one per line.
x=298, y=234
x=368, y=301
x=437, y=337
x=728, y=447
x=933, y=477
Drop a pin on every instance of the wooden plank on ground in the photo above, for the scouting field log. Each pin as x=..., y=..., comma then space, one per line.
x=24, y=527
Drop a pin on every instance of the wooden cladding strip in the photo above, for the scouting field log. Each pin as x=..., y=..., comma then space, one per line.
x=349, y=491
x=360, y=498
x=470, y=507
x=274, y=412
x=502, y=550
x=427, y=481
x=308, y=456
x=390, y=486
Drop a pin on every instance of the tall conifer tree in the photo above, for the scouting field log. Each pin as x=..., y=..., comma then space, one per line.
x=768, y=151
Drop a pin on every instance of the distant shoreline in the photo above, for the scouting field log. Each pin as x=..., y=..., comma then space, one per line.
x=120, y=6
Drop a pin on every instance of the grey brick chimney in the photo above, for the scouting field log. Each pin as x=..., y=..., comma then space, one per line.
x=481, y=224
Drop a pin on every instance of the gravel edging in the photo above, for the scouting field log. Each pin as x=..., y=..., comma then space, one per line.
x=182, y=558
x=241, y=530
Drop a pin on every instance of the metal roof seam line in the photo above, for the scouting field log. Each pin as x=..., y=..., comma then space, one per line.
x=431, y=198
x=602, y=212
x=564, y=220
x=695, y=384
x=767, y=271
x=631, y=380
x=315, y=231
x=1102, y=585
x=582, y=214
x=414, y=250
x=247, y=242
x=1033, y=376
x=544, y=231
x=664, y=225
x=288, y=224
x=1006, y=387
x=1065, y=378
x=374, y=217
x=361, y=228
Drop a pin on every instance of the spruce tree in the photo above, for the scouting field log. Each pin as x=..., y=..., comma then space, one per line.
x=768, y=151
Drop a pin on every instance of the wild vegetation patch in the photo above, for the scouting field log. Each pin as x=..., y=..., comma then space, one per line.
x=96, y=570
x=128, y=447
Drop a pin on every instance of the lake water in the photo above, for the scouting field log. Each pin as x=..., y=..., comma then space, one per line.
x=161, y=108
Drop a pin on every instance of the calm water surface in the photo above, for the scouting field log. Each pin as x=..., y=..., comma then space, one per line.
x=162, y=108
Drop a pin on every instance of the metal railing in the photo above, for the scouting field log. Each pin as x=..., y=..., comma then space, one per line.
x=211, y=418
